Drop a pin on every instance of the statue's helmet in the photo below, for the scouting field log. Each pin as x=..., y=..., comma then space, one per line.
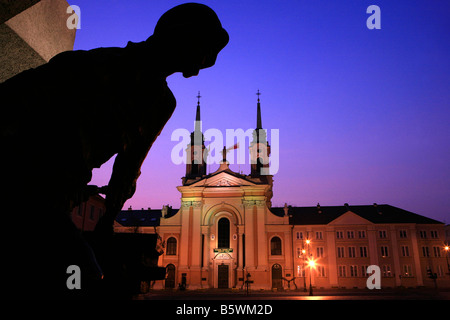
x=194, y=22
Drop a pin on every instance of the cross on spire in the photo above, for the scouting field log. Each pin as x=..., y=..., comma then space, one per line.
x=198, y=97
x=198, y=125
x=258, y=115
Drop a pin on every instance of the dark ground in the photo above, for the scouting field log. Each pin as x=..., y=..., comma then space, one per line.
x=318, y=294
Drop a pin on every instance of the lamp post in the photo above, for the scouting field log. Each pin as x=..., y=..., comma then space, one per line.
x=311, y=264
x=307, y=241
x=447, y=248
x=303, y=269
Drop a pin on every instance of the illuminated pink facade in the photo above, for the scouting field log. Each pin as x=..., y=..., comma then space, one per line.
x=226, y=232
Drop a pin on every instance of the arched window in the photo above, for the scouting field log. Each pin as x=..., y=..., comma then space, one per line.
x=223, y=228
x=171, y=247
x=275, y=246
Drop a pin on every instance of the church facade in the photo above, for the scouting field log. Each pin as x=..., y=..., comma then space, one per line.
x=226, y=234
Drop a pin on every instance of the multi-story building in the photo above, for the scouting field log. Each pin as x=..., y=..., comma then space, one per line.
x=345, y=240
x=227, y=232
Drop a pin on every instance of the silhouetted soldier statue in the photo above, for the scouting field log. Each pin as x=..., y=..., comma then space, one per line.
x=64, y=118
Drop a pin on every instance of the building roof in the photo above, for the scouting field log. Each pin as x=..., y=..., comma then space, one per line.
x=378, y=214
x=381, y=213
x=141, y=218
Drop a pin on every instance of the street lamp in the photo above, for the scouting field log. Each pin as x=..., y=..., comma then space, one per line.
x=311, y=264
x=303, y=269
x=304, y=255
x=447, y=248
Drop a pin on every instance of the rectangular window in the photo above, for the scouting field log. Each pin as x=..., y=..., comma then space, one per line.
x=407, y=270
x=319, y=252
x=387, y=270
x=425, y=252
x=321, y=271
x=340, y=252
x=352, y=252
x=423, y=234
x=405, y=251
x=403, y=234
x=437, y=252
x=353, y=271
x=382, y=234
x=342, y=271
x=434, y=234
x=363, y=252
x=362, y=234
x=300, y=271
x=350, y=234
x=384, y=251
x=319, y=235
x=364, y=271
x=339, y=235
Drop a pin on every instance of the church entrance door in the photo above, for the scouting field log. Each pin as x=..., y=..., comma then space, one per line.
x=277, y=274
x=222, y=273
x=170, y=277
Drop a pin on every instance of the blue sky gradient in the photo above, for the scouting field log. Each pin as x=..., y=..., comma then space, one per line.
x=363, y=115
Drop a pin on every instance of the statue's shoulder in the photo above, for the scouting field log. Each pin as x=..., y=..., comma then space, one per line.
x=159, y=93
x=95, y=56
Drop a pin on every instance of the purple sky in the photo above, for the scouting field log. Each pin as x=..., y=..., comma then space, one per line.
x=363, y=115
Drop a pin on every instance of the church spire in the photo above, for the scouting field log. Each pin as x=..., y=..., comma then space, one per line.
x=258, y=116
x=259, y=134
x=197, y=135
x=196, y=151
x=259, y=147
x=198, y=123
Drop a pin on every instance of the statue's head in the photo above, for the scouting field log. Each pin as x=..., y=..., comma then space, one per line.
x=193, y=35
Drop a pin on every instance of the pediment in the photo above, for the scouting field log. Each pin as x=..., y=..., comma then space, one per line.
x=223, y=179
x=349, y=218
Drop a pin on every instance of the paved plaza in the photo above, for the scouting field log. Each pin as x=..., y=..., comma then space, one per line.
x=318, y=294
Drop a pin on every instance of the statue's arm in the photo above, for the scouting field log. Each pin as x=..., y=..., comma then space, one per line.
x=128, y=162
x=122, y=185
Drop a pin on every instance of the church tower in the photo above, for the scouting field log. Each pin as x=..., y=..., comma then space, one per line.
x=195, y=164
x=259, y=147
